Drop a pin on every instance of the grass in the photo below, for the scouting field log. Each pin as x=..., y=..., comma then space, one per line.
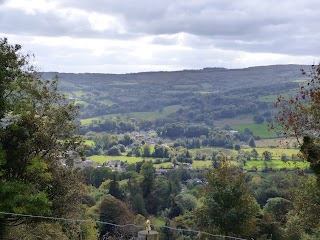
x=275, y=164
x=89, y=120
x=201, y=164
x=274, y=97
x=79, y=93
x=163, y=165
x=138, y=115
x=186, y=87
x=276, y=152
x=123, y=83
x=102, y=159
x=89, y=142
x=261, y=130
x=107, y=102
x=276, y=143
x=233, y=121
x=299, y=80
x=159, y=222
x=79, y=102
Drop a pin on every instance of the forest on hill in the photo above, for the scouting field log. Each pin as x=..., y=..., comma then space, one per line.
x=227, y=153
x=194, y=96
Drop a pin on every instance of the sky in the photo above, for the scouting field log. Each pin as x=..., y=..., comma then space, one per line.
x=124, y=36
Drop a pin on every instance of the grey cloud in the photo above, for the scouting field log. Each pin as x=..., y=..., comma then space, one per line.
x=260, y=25
x=16, y=21
x=249, y=25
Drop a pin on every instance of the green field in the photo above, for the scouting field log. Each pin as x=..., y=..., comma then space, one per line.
x=79, y=102
x=89, y=142
x=101, y=159
x=79, y=93
x=261, y=130
x=276, y=152
x=139, y=115
x=274, y=97
x=275, y=164
x=107, y=102
x=201, y=164
x=239, y=120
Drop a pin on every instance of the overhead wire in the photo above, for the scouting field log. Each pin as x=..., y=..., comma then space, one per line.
x=116, y=225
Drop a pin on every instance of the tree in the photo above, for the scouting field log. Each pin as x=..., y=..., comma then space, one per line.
x=254, y=154
x=228, y=208
x=14, y=65
x=146, y=151
x=37, y=133
x=258, y=119
x=147, y=184
x=138, y=205
x=114, y=211
x=252, y=143
x=114, y=151
x=299, y=116
x=114, y=188
x=303, y=219
x=278, y=208
x=267, y=155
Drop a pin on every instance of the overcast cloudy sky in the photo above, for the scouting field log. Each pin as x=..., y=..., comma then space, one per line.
x=122, y=36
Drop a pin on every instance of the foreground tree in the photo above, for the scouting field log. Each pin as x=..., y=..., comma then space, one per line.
x=299, y=116
x=114, y=211
x=228, y=208
x=37, y=133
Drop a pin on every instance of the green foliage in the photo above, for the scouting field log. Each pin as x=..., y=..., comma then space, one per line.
x=186, y=202
x=267, y=156
x=114, y=211
x=251, y=142
x=37, y=133
x=306, y=208
x=278, y=208
x=24, y=198
x=138, y=205
x=227, y=208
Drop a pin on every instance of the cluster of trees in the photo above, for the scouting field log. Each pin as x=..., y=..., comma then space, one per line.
x=228, y=202
x=113, y=125
x=37, y=130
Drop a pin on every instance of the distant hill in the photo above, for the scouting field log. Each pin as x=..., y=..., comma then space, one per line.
x=195, y=95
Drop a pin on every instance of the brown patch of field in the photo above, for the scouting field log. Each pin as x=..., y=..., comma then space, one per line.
x=277, y=143
x=232, y=121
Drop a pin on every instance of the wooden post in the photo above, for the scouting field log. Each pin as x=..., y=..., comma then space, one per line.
x=145, y=235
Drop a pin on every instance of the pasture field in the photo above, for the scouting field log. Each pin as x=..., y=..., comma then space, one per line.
x=276, y=152
x=101, y=159
x=163, y=165
x=277, y=143
x=209, y=151
x=275, y=164
x=89, y=142
x=106, y=102
x=261, y=130
x=274, y=97
x=186, y=87
x=78, y=93
x=90, y=120
x=119, y=83
x=201, y=164
x=139, y=115
x=233, y=121
x=80, y=102
x=300, y=80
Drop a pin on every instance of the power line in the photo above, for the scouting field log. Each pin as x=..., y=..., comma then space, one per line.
x=116, y=225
